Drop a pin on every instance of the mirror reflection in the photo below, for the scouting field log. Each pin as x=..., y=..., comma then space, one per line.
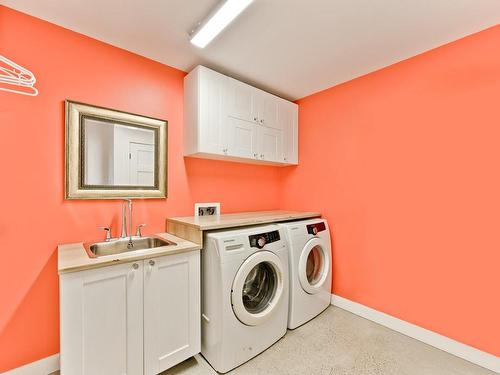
x=116, y=154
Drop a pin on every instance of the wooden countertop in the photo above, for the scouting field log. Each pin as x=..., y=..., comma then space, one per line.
x=240, y=219
x=73, y=257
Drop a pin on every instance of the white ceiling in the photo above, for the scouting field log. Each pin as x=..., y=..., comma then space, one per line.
x=289, y=47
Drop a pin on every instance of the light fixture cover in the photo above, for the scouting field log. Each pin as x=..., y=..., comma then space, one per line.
x=217, y=21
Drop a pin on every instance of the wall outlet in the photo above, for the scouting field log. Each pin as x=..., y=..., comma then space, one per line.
x=206, y=209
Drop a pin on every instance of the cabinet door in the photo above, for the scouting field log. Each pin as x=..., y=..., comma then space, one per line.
x=267, y=109
x=102, y=321
x=288, y=117
x=211, y=120
x=239, y=100
x=171, y=310
x=271, y=144
x=243, y=138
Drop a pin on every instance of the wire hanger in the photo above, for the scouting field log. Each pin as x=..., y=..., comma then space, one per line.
x=15, y=75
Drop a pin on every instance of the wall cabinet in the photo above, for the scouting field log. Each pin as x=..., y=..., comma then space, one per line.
x=228, y=119
x=134, y=318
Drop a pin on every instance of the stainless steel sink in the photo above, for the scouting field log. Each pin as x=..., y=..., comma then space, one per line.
x=122, y=245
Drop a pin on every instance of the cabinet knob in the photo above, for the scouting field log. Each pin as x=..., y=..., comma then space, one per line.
x=151, y=262
x=255, y=155
x=255, y=119
x=135, y=266
x=262, y=156
x=261, y=120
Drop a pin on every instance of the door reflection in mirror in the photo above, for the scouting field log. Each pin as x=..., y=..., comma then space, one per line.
x=117, y=154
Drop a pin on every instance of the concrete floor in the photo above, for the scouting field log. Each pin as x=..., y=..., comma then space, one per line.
x=340, y=343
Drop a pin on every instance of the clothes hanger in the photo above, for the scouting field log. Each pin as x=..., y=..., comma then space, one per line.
x=17, y=76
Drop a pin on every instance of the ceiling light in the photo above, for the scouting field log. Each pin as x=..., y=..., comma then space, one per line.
x=217, y=21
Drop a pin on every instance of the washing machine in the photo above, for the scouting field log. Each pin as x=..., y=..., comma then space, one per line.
x=310, y=269
x=244, y=294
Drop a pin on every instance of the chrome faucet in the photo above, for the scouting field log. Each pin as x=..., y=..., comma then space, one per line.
x=127, y=202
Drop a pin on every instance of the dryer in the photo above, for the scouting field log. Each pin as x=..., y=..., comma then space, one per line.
x=244, y=294
x=310, y=269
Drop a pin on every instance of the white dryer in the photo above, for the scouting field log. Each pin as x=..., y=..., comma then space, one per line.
x=310, y=269
x=244, y=294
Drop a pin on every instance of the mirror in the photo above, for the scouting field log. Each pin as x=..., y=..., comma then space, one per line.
x=113, y=154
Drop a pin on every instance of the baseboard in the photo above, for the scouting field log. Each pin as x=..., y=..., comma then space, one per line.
x=43, y=366
x=476, y=356
x=491, y=362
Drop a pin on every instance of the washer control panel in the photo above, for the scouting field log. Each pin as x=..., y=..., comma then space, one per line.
x=314, y=229
x=260, y=240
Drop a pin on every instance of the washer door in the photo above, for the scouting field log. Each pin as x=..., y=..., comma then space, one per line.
x=257, y=288
x=314, y=265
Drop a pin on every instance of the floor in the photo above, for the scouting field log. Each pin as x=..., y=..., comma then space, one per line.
x=340, y=343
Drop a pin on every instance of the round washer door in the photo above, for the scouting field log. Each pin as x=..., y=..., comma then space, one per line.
x=314, y=265
x=257, y=288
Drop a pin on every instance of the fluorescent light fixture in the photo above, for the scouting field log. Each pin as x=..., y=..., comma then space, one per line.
x=217, y=21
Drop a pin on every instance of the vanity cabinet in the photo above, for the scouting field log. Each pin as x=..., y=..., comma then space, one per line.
x=228, y=119
x=171, y=310
x=134, y=318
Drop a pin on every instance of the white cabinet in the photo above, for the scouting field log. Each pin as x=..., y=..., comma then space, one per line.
x=133, y=318
x=239, y=98
x=171, y=310
x=228, y=119
x=271, y=144
x=266, y=109
x=243, y=138
x=288, y=117
x=101, y=320
x=209, y=138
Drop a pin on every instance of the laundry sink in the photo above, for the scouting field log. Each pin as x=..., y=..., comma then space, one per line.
x=123, y=245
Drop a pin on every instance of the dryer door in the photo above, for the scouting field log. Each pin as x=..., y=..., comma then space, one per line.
x=257, y=288
x=314, y=265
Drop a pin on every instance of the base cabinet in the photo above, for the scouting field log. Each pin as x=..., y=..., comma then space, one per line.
x=133, y=318
x=171, y=311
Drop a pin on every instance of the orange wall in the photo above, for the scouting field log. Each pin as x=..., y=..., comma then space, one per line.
x=405, y=164
x=34, y=218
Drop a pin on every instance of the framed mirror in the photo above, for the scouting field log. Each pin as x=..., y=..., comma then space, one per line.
x=112, y=154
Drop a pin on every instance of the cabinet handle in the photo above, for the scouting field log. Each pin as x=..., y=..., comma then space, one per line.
x=135, y=266
x=151, y=262
x=255, y=119
x=261, y=120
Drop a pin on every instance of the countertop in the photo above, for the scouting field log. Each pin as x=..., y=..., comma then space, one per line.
x=241, y=219
x=73, y=257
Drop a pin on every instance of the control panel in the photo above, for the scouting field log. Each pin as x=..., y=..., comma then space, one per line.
x=314, y=229
x=260, y=240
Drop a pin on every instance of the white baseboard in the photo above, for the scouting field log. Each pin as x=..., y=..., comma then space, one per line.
x=43, y=366
x=491, y=362
x=476, y=356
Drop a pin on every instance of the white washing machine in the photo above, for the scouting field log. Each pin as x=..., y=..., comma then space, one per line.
x=244, y=294
x=310, y=269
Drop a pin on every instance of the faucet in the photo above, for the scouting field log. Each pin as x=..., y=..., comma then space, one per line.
x=127, y=202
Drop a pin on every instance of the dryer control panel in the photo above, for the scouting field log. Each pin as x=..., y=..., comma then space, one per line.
x=314, y=229
x=260, y=240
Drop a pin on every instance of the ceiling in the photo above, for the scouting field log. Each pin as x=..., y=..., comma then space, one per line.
x=292, y=48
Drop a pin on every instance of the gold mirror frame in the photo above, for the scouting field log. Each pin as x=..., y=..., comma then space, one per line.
x=74, y=189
